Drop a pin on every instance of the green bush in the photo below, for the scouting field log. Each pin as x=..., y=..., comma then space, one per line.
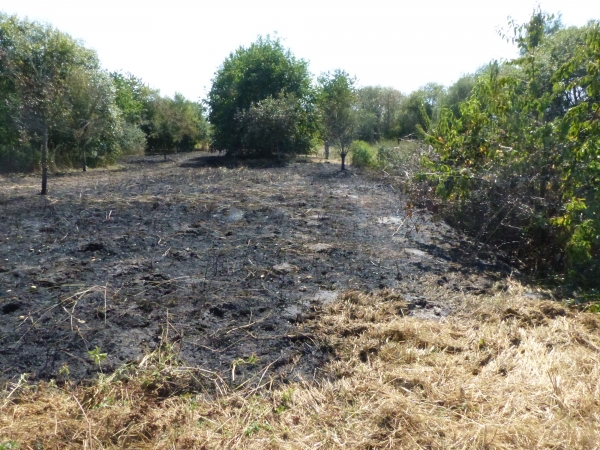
x=132, y=141
x=518, y=167
x=362, y=154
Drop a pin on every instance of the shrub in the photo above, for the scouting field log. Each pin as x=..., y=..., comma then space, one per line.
x=362, y=154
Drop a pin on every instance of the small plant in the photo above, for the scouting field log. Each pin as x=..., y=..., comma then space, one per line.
x=97, y=356
x=286, y=399
x=9, y=445
x=64, y=370
x=253, y=428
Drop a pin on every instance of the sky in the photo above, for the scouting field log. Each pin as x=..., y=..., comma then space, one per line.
x=177, y=45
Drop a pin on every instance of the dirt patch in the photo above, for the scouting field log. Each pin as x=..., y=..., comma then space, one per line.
x=226, y=258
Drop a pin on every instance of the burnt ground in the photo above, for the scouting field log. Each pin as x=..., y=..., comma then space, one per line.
x=226, y=258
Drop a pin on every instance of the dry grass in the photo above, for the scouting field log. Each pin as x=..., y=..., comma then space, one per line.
x=503, y=372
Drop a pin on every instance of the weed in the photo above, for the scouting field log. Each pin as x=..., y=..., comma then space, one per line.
x=97, y=356
x=64, y=370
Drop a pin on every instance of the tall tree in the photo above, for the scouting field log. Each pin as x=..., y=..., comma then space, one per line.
x=336, y=99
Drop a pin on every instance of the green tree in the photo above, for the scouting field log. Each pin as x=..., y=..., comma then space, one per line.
x=38, y=59
x=336, y=99
x=377, y=111
x=459, y=92
x=414, y=115
x=522, y=155
x=133, y=98
x=248, y=76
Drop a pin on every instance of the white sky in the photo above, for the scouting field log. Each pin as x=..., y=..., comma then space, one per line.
x=177, y=45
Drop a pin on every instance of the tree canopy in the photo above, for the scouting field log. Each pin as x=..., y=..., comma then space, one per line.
x=39, y=60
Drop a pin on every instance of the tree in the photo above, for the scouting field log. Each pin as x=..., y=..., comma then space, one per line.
x=38, y=59
x=459, y=92
x=336, y=99
x=377, y=113
x=132, y=97
x=247, y=77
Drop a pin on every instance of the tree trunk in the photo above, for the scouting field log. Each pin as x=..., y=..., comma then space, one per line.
x=343, y=155
x=326, y=149
x=44, y=162
x=84, y=161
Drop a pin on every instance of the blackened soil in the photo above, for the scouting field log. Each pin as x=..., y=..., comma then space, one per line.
x=222, y=259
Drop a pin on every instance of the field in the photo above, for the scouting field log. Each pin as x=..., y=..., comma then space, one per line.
x=200, y=302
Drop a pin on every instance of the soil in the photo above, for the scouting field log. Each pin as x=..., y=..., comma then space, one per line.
x=223, y=259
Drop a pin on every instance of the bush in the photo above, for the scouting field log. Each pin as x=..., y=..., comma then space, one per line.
x=132, y=141
x=519, y=168
x=250, y=89
x=362, y=154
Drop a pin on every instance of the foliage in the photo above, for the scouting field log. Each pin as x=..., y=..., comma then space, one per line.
x=415, y=115
x=520, y=160
x=377, y=113
x=459, y=92
x=174, y=125
x=54, y=96
x=37, y=60
x=362, y=154
x=132, y=140
x=249, y=76
x=94, y=119
x=336, y=100
x=132, y=97
x=273, y=127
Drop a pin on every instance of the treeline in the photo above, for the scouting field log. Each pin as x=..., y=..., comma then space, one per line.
x=60, y=108
x=264, y=102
